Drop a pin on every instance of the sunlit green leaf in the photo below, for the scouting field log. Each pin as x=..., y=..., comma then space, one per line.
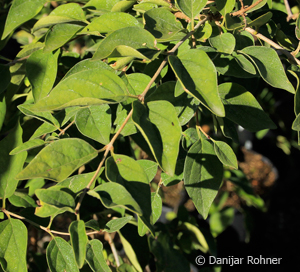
x=269, y=66
x=116, y=224
x=191, y=8
x=95, y=122
x=27, y=146
x=94, y=256
x=224, y=43
x=225, y=154
x=112, y=194
x=62, y=14
x=129, y=41
x=79, y=241
x=60, y=256
x=10, y=166
x=109, y=22
x=22, y=199
x=13, y=245
x=20, y=12
x=41, y=69
x=86, y=88
x=194, y=67
x=59, y=159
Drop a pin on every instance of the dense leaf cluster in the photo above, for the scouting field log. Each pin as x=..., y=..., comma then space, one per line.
x=98, y=80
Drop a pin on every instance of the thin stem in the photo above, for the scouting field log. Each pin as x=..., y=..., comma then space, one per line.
x=275, y=45
x=8, y=214
x=244, y=10
x=288, y=10
x=16, y=61
x=108, y=238
x=62, y=132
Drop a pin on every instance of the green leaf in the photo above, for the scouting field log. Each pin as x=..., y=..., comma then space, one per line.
x=296, y=123
x=269, y=66
x=136, y=83
x=150, y=168
x=161, y=130
x=225, y=154
x=128, y=172
x=13, y=245
x=156, y=204
x=112, y=195
x=41, y=69
x=225, y=7
x=59, y=35
x=53, y=202
x=167, y=257
x=242, y=108
x=2, y=109
x=66, y=13
x=27, y=146
x=10, y=166
x=86, y=88
x=22, y=199
x=124, y=267
x=88, y=65
x=134, y=41
x=116, y=224
x=194, y=67
x=191, y=8
x=244, y=63
x=228, y=65
x=103, y=5
x=59, y=159
x=197, y=235
x=34, y=184
x=224, y=43
x=123, y=6
x=219, y=221
x=185, y=106
x=5, y=77
x=162, y=24
x=130, y=253
x=60, y=256
x=243, y=39
x=129, y=128
x=95, y=122
x=109, y=22
x=79, y=182
x=250, y=2
x=79, y=241
x=203, y=173
x=21, y=12
x=94, y=256
x=45, y=116
x=297, y=29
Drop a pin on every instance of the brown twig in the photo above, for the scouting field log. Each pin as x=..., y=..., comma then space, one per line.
x=243, y=10
x=110, y=241
x=8, y=214
x=62, y=132
x=288, y=10
x=290, y=57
